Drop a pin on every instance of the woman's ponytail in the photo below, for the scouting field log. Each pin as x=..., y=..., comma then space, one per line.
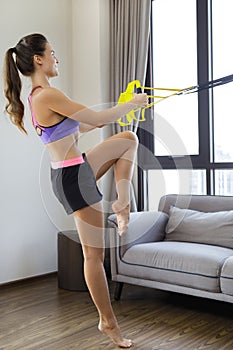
x=23, y=62
x=12, y=90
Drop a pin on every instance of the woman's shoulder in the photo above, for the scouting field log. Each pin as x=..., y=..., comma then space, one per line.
x=51, y=94
x=58, y=102
x=51, y=91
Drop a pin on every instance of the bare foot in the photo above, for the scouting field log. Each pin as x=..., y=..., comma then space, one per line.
x=115, y=335
x=122, y=214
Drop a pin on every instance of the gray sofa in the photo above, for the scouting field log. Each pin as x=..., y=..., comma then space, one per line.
x=185, y=247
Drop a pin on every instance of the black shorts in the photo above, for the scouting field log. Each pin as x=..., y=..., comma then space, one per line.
x=75, y=186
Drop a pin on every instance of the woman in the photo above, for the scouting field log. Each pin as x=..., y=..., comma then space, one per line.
x=58, y=121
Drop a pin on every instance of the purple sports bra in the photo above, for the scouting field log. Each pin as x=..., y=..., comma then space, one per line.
x=55, y=132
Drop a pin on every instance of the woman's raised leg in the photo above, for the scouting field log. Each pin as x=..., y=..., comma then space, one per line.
x=89, y=222
x=120, y=151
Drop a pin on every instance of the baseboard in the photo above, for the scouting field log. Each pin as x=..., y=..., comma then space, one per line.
x=28, y=279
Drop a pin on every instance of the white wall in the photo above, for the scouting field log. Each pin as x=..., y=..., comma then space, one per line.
x=30, y=216
x=90, y=58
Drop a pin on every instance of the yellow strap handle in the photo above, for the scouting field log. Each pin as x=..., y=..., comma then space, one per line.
x=128, y=95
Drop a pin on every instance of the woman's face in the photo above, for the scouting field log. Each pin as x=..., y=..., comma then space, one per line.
x=49, y=62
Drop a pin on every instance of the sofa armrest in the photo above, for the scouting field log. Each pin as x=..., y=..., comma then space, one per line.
x=144, y=227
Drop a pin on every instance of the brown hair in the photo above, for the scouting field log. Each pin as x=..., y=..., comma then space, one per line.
x=24, y=51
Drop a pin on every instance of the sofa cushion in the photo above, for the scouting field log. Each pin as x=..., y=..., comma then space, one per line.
x=205, y=203
x=194, y=226
x=226, y=280
x=187, y=264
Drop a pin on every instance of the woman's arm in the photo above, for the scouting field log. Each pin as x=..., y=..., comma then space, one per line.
x=59, y=103
x=83, y=127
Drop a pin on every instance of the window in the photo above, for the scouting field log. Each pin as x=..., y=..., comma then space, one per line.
x=222, y=65
x=192, y=134
x=224, y=182
x=175, y=66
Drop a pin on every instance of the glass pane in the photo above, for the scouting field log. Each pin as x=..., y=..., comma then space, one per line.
x=175, y=66
x=162, y=182
x=222, y=66
x=224, y=182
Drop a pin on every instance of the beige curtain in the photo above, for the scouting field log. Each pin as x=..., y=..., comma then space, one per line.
x=129, y=35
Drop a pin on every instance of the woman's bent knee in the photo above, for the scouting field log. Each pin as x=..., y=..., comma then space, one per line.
x=130, y=135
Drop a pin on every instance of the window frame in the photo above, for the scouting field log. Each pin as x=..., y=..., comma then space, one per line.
x=205, y=158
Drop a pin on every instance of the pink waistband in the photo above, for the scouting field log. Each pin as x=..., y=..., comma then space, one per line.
x=67, y=162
